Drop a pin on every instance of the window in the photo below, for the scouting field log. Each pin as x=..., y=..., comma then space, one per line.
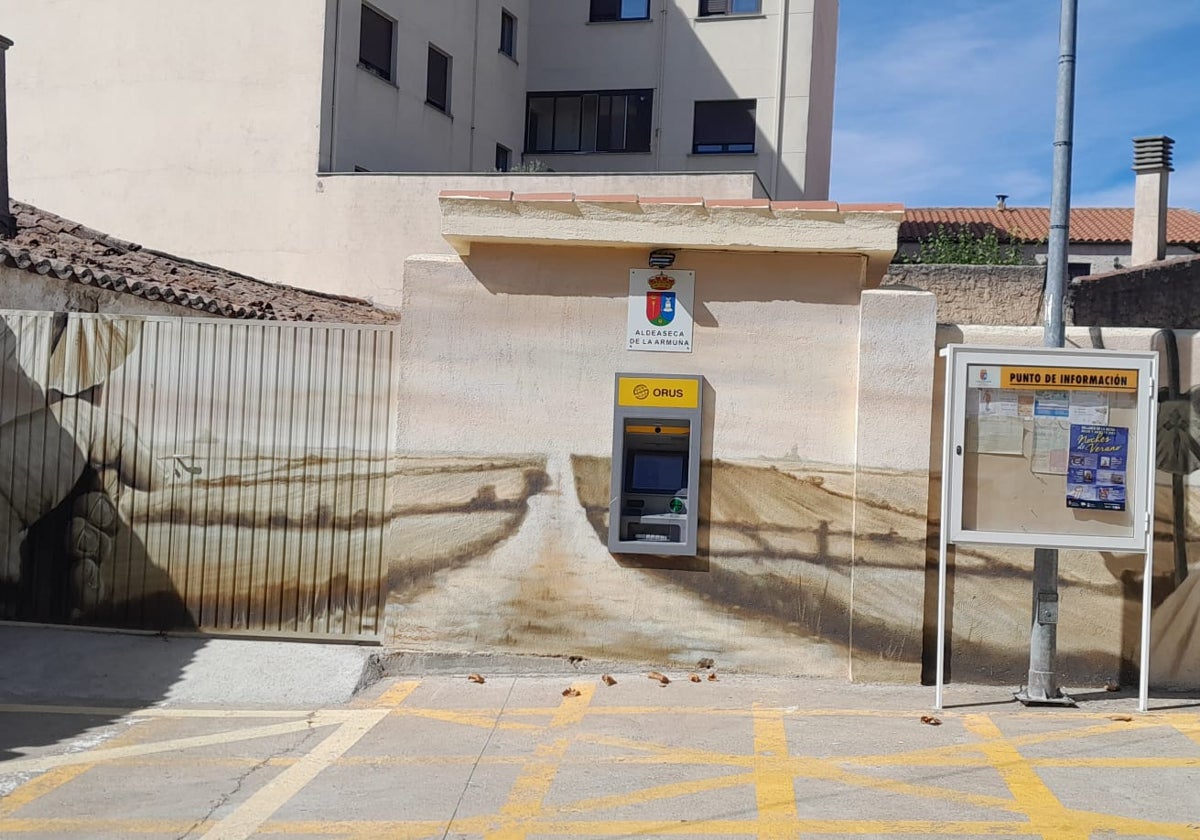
x=376, y=35
x=710, y=8
x=503, y=158
x=723, y=126
x=593, y=121
x=437, y=81
x=508, y=34
x=606, y=10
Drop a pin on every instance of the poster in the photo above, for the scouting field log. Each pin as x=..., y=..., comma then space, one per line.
x=1099, y=458
x=1089, y=408
x=1051, y=438
x=660, y=310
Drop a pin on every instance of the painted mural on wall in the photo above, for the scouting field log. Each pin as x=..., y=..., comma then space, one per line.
x=804, y=566
x=178, y=473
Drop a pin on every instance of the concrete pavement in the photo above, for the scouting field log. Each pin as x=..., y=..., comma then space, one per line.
x=439, y=756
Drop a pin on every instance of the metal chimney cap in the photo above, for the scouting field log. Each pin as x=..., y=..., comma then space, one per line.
x=1152, y=154
x=1001, y=199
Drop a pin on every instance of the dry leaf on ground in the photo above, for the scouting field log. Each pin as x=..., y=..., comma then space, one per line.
x=570, y=692
x=694, y=677
x=607, y=680
x=1125, y=718
x=476, y=678
x=662, y=678
x=931, y=720
x=712, y=677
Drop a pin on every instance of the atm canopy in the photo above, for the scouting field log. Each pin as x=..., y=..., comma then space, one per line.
x=621, y=221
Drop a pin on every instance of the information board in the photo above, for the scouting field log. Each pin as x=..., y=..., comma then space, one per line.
x=1050, y=448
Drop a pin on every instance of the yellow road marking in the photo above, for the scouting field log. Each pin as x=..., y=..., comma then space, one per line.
x=110, y=712
x=774, y=785
x=33, y=765
x=39, y=787
x=479, y=720
x=661, y=753
x=89, y=826
x=252, y=813
x=1046, y=814
x=1190, y=728
x=397, y=694
x=525, y=799
x=656, y=793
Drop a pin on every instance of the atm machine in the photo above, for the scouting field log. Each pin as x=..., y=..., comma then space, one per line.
x=655, y=498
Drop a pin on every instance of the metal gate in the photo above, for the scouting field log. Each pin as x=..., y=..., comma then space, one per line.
x=167, y=473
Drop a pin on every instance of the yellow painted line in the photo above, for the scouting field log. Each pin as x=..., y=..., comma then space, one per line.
x=1117, y=763
x=525, y=799
x=1189, y=728
x=528, y=792
x=774, y=784
x=256, y=810
x=90, y=827
x=724, y=828
x=397, y=694
x=39, y=787
x=153, y=711
x=34, y=765
x=655, y=793
x=1046, y=814
x=362, y=829
x=573, y=709
x=661, y=753
x=479, y=720
x=935, y=755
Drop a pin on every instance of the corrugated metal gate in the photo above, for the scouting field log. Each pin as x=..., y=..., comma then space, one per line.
x=194, y=474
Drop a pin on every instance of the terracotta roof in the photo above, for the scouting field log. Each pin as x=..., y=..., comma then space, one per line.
x=51, y=245
x=1088, y=224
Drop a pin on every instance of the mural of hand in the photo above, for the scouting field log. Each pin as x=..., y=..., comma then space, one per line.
x=51, y=450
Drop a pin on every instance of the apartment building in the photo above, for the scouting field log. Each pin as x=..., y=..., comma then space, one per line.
x=305, y=141
x=587, y=85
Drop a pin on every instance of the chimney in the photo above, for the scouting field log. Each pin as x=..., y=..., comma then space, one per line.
x=8, y=224
x=1001, y=201
x=1152, y=163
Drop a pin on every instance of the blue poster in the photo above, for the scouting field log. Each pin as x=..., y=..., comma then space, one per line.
x=1096, y=466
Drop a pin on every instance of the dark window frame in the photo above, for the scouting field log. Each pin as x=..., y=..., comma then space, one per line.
x=728, y=8
x=503, y=158
x=438, y=54
x=729, y=143
x=508, y=34
x=368, y=59
x=644, y=117
x=610, y=11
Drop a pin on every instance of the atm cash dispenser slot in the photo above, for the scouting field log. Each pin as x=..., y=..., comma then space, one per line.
x=656, y=465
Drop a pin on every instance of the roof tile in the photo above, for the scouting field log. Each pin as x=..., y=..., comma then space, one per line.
x=1112, y=225
x=49, y=244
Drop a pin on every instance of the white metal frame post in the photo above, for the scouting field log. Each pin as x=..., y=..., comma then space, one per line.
x=1141, y=538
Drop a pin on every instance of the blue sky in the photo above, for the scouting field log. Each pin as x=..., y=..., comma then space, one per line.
x=948, y=102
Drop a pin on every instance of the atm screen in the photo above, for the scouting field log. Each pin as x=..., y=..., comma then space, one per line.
x=656, y=472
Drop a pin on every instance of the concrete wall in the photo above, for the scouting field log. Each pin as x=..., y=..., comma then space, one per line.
x=505, y=433
x=977, y=294
x=1162, y=295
